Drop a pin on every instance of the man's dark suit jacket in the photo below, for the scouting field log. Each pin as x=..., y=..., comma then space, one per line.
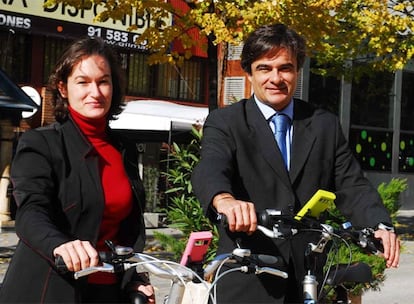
x=58, y=191
x=240, y=156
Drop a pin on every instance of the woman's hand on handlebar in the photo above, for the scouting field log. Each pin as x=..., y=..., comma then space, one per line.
x=241, y=215
x=391, y=244
x=77, y=255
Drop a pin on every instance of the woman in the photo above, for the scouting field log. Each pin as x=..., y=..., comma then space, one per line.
x=76, y=185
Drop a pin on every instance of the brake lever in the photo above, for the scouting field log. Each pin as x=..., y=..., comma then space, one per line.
x=105, y=267
x=368, y=242
x=326, y=237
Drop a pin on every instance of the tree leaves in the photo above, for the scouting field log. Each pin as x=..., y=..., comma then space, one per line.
x=379, y=32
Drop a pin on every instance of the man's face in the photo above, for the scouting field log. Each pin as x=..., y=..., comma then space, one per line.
x=274, y=78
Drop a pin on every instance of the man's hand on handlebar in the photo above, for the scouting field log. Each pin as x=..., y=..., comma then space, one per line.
x=391, y=245
x=77, y=255
x=241, y=215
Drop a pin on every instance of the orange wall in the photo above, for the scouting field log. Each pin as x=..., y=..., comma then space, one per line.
x=194, y=32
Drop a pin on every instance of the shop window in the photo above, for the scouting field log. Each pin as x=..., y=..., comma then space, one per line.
x=372, y=148
x=54, y=48
x=166, y=84
x=371, y=121
x=181, y=83
x=406, y=152
x=139, y=76
x=371, y=102
x=233, y=89
x=15, y=55
x=407, y=101
x=406, y=144
x=324, y=91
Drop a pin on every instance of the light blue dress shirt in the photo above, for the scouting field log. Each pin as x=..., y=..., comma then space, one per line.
x=268, y=112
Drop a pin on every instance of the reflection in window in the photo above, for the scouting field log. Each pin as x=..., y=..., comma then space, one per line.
x=324, y=92
x=139, y=79
x=181, y=83
x=406, y=155
x=372, y=148
x=406, y=147
x=407, y=101
x=370, y=136
x=371, y=100
x=54, y=48
x=15, y=55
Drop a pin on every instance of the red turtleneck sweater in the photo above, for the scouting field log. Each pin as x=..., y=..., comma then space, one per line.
x=115, y=184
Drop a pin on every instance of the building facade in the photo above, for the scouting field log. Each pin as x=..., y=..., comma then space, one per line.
x=33, y=37
x=375, y=111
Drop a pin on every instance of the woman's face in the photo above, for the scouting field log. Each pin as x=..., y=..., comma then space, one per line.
x=89, y=87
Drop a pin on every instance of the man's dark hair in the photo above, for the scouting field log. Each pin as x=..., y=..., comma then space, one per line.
x=268, y=38
x=73, y=55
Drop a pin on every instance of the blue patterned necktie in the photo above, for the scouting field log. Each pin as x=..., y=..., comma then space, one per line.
x=281, y=123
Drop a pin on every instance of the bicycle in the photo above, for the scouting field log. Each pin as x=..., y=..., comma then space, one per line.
x=275, y=224
x=120, y=259
x=272, y=223
x=123, y=258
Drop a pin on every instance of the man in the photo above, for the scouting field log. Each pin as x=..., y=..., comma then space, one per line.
x=242, y=169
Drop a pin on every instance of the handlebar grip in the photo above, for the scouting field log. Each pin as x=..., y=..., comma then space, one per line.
x=62, y=268
x=369, y=242
x=364, y=238
x=374, y=245
x=267, y=260
x=137, y=297
x=60, y=265
x=222, y=220
x=264, y=218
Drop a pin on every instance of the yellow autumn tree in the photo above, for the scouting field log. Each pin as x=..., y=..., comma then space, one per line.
x=378, y=33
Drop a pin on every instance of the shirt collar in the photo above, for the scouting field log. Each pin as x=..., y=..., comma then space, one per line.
x=268, y=112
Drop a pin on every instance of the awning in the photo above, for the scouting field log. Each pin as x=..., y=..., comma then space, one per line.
x=157, y=115
x=13, y=97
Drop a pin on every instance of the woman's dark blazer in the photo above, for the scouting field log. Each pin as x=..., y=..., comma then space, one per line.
x=240, y=156
x=57, y=188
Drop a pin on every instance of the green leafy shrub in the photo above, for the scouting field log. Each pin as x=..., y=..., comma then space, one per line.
x=184, y=211
x=390, y=194
x=150, y=181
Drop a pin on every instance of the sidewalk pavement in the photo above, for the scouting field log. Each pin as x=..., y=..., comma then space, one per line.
x=397, y=288
x=398, y=285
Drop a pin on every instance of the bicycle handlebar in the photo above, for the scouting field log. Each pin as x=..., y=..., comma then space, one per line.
x=123, y=258
x=250, y=263
x=113, y=263
x=282, y=226
x=275, y=224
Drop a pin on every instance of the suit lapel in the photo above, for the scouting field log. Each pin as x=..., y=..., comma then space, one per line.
x=303, y=138
x=80, y=150
x=262, y=136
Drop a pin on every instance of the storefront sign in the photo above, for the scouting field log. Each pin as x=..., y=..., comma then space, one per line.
x=65, y=21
